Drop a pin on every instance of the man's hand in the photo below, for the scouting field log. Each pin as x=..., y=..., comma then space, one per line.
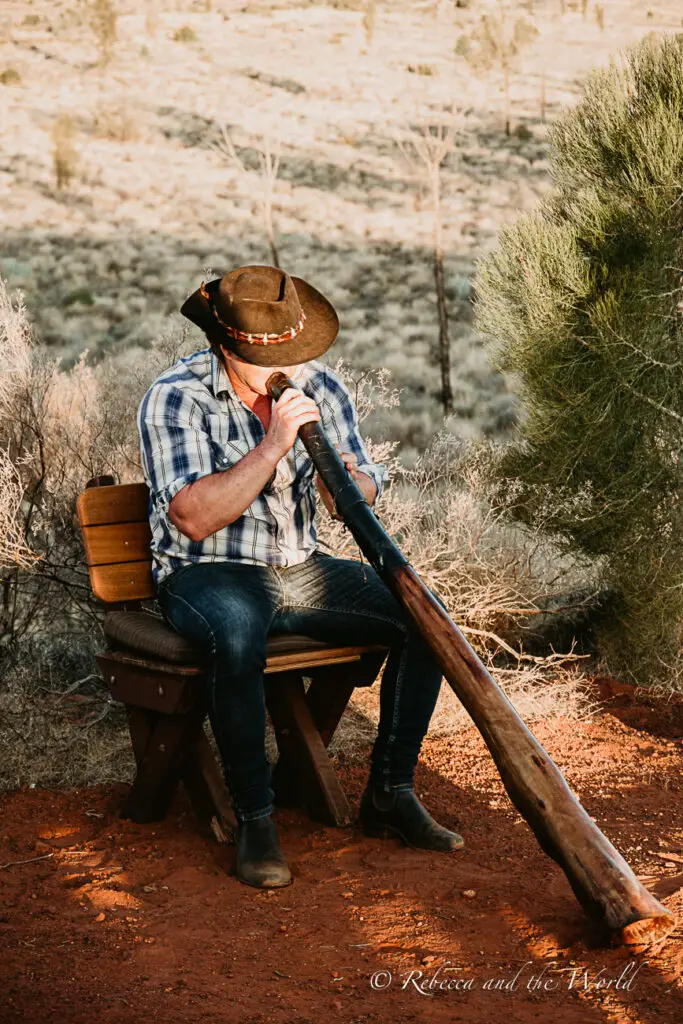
x=366, y=484
x=292, y=409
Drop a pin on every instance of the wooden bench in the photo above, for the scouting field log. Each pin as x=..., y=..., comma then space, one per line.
x=159, y=678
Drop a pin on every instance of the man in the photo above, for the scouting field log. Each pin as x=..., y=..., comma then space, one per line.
x=233, y=498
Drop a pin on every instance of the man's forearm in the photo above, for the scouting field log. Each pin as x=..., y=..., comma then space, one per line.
x=216, y=500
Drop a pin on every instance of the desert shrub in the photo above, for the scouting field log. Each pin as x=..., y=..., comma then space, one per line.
x=64, y=152
x=422, y=69
x=116, y=122
x=369, y=21
x=58, y=429
x=584, y=298
x=103, y=21
x=10, y=76
x=185, y=34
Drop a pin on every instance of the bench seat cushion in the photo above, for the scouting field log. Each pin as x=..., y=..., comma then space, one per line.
x=150, y=634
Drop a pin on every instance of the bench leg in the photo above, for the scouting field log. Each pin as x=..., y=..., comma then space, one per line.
x=161, y=743
x=208, y=792
x=327, y=698
x=331, y=689
x=303, y=751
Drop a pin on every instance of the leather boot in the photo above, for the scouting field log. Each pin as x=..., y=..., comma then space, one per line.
x=260, y=860
x=399, y=812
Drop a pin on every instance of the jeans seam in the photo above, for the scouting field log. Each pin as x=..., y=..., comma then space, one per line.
x=386, y=767
x=275, y=573
x=349, y=611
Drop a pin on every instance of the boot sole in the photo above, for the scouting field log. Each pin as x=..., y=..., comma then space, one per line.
x=264, y=885
x=389, y=831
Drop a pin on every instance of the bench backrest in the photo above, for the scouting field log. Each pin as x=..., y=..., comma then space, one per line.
x=114, y=520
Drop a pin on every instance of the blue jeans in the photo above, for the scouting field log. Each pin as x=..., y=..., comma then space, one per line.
x=228, y=609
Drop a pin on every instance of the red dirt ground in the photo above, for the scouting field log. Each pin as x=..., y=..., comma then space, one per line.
x=122, y=923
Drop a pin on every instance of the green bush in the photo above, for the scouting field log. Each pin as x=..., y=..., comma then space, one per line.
x=585, y=300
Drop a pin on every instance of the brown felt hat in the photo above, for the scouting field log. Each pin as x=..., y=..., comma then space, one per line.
x=264, y=316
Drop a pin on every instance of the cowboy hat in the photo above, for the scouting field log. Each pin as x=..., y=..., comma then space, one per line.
x=264, y=316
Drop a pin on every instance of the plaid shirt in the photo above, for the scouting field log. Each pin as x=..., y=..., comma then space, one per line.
x=192, y=423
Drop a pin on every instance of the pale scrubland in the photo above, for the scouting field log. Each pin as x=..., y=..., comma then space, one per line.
x=116, y=200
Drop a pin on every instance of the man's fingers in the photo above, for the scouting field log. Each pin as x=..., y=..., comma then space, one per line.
x=302, y=417
x=299, y=404
x=347, y=457
x=290, y=397
x=287, y=395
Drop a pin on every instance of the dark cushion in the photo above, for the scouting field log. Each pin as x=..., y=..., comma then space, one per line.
x=150, y=634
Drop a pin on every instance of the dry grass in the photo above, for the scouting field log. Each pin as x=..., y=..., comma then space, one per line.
x=536, y=693
x=57, y=725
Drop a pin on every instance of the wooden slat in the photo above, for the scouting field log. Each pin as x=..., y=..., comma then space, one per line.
x=122, y=503
x=283, y=662
x=129, y=581
x=163, y=668
x=275, y=663
x=118, y=542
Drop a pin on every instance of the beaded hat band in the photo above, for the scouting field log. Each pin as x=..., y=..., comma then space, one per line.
x=249, y=336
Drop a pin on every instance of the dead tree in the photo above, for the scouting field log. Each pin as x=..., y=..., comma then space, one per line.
x=426, y=147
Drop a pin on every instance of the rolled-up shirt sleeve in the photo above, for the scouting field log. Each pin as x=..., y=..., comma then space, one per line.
x=340, y=421
x=175, y=448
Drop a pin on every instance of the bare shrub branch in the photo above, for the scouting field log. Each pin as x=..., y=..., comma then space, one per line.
x=269, y=162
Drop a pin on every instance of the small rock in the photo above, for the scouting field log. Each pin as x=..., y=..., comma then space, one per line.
x=469, y=894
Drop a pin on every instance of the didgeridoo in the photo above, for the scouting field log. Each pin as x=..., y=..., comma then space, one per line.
x=602, y=881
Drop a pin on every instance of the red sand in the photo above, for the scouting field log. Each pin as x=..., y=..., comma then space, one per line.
x=123, y=922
